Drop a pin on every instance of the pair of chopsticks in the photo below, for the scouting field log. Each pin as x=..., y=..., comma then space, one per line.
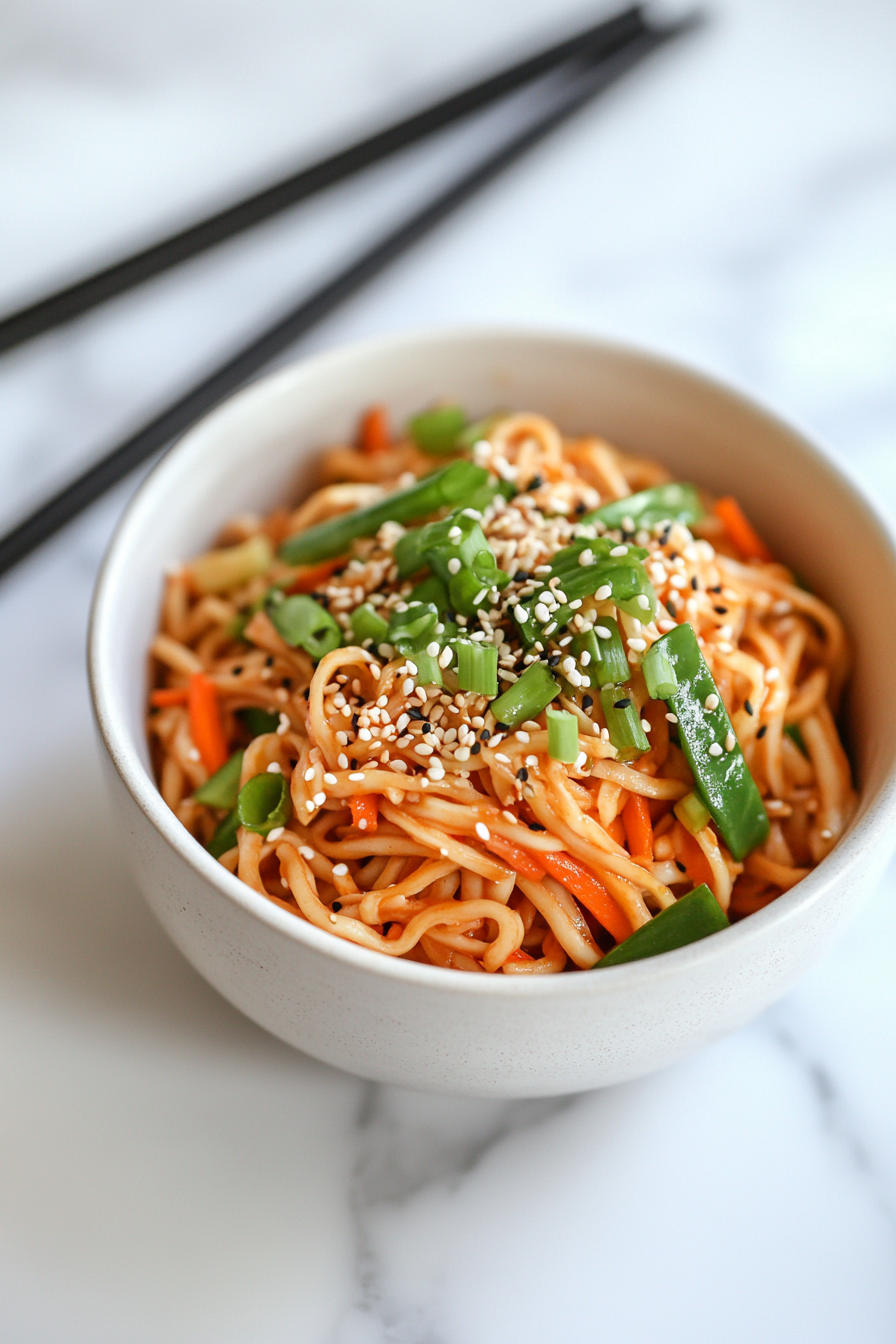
x=586, y=64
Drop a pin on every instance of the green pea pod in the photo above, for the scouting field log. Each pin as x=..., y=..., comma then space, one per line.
x=437, y=431
x=722, y=776
x=225, y=836
x=303, y=623
x=692, y=917
x=263, y=803
x=677, y=501
x=258, y=721
x=221, y=789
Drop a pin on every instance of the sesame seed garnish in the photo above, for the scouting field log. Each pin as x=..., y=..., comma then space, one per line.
x=482, y=831
x=603, y=592
x=715, y=749
x=673, y=718
x=772, y=674
x=730, y=742
x=454, y=565
x=711, y=702
x=275, y=768
x=307, y=852
x=618, y=551
x=357, y=775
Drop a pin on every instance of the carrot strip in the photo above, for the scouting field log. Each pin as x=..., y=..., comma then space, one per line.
x=638, y=827
x=395, y=932
x=515, y=857
x=168, y=695
x=373, y=432
x=616, y=830
x=309, y=577
x=688, y=852
x=365, y=812
x=740, y=530
x=205, y=722
x=590, y=891
x=519, y=955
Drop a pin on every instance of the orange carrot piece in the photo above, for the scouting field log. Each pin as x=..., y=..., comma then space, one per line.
x=691, y=855
x=206, y=729
x=518, y=859
x=395, y=932
x=309, y=577
x=740, y=530
x=638, y=827
x=168, y=695
x=590, y=891
x=519, y=955
x=373, y=433
x=365, y=812
x=616, y=830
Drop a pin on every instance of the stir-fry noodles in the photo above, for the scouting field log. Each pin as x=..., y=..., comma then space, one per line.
x=496, y=699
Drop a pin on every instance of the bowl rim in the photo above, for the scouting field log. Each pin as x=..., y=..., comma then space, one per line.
x=871, y=826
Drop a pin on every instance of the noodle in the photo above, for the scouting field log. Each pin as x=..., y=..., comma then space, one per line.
x=413, y=822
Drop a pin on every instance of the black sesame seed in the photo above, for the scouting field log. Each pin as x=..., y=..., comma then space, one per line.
x=521, y=576
x=336, y=906
x=502, y=727
x=236, y=671
x=353, y=763
x=522, y=773
x=485, y=734
x=415, y=713
x=763, y=730
x=694, y=584
x=748, y=707
x=581, y=508
x=306, y=692
x=624, y=703
x=269, y=661
x=673, y=555
x=355, y=718
x=717, y=589
x=553, y=659
x=322, y=599
x=476, y=748
x=680, y=866
x=671, y=607
x=287, y=683
x=587, y=702
x=536, y=826
x=536, y=483
x=721, y=611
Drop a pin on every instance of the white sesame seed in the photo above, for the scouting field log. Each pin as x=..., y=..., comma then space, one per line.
x=730, y=742
x=482, y=831
x=531, y=762
x=275, y=768
x=549, y=629
x=407, y=686
x=320, y=799
x=542, y=569
x=445, y=658
x=454, y=534
x=342, y=761
x=400, y=766
x=619, y=550
x=505, y=760
x=603, y=592
x=330, y=779
x=603, y=632
x=309, y=774
x=340, y=870
x=444, y=853
x=584, y=658
x=711, y=702
x=454, y=565
x=334, y=919
x=374, y=670
x=411, y=667
x=673, y=718
x=772, y=674
x=586, y=556
x=639, y=645
x=666, y=626
x=462, y=754
x=520, y=614
x=364, y=734
x=358, y=774
x=422, y=749
x=646, y=725
x=306, y=852
x=715, y=749
x=826, y=834
x=275, y=834
x=433, y=649
x=193, y=754
x=643, y=601
x=521, y=736
x=309, y=805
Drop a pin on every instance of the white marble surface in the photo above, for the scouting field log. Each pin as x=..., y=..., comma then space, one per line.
x=166, y=1170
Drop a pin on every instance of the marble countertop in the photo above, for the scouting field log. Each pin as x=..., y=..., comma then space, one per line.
x=168, y=1171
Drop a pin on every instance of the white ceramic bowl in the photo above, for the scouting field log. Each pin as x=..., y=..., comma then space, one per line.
x=416, y=1025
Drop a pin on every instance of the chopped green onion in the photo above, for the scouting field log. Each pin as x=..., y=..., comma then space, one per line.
x=412, y=626
x=527, y=697
x=659, y=673
x=481, y=498
x=692, y=917
x=437, y=431
x=225, y=836
x=563, y=736
x=303, y=623
x=467, y=592
x=221, y=789
x=457, y=551
x=410, y=552
x=479, y=429
x=477, y=667
x=367, y=623
x=692, y=812
x=623, y=723
x=259, y=721
x=450, y=486
x=429, y=672
x=676, y=501
x=795, y=733
x=433, y=590
x=263, y=803
x=613, y=668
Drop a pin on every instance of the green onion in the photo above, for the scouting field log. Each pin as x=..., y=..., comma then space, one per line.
x=428, y=673
x=410, y=552
x=795, y=733
x=675, y=502
x=412, y=626
x=263, y=803
x=367, y=623
x=479, y=429
x=623, y=723
x=467, y=592
x=224, y=837
x=431, y=590
x=477, y=667
x=659, y=673
x=437, y=431
x=692, y=917
x=457, y=551
x=527, y=697
x=692, y=812
x=613, y=668
x=222, y=788
x=258, y=721
x=303, y=623
x=481, y=498
x=452, y=485
x=563, y=736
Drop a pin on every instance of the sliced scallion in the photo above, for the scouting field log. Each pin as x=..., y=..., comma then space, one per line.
x=659, y=673
x=224, y=837
x=367, y=623
x=623, y=723
x=303, y=623
x=563, y=736
x=259, y=721
x=613, y=667
x=692, y=812
x=676, y=501
x=527, y=697
x=477, y=667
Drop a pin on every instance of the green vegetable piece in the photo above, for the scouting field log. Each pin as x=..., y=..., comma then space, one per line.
x=223, y=786
x=613, y=668
x=410, y=552
x=623, y=722
x=303, y=623
x=659, y=673
x=428, y=673
x=443, y=489
x=433, y=590
x=795, y=733
x=692, y=813
x=437, y=431
x=722, y=777
x=481, y=498
x=259, y=721
x=563, y=736
x=692, y=917
x=367, y=623
x=477, y=667
x=225, y=836
x=479, y=429
x=413, y=627
x=675, y=502
x=456, y=550
x=527, y=697
x=263, y=803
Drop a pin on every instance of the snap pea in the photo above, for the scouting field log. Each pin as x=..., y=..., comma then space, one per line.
x=263, y=803
x=623, y=722
x=221, y=789
x=676, y=501
x=449, y=486
x=722, y=777
x=224, y=837
x=258, y=721
x=611, y=667
x=692, y=917
x=437, y=431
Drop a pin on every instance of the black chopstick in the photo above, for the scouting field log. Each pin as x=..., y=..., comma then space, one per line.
x=34, y=530
x=54, y=310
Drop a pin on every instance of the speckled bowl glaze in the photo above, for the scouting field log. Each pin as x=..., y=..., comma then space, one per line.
x=420, y=1026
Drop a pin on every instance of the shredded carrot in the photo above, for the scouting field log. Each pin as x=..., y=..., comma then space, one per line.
x=740, y=530
x=168, y=695
x=365, y=812
x=590, y=891
x=688, y=852
x=309, y=577
x=205, y=722
x=373, y=433
x=518, y=859
x=519, y=955
x=395, y=932
x=638, y=827
x=616, y=830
